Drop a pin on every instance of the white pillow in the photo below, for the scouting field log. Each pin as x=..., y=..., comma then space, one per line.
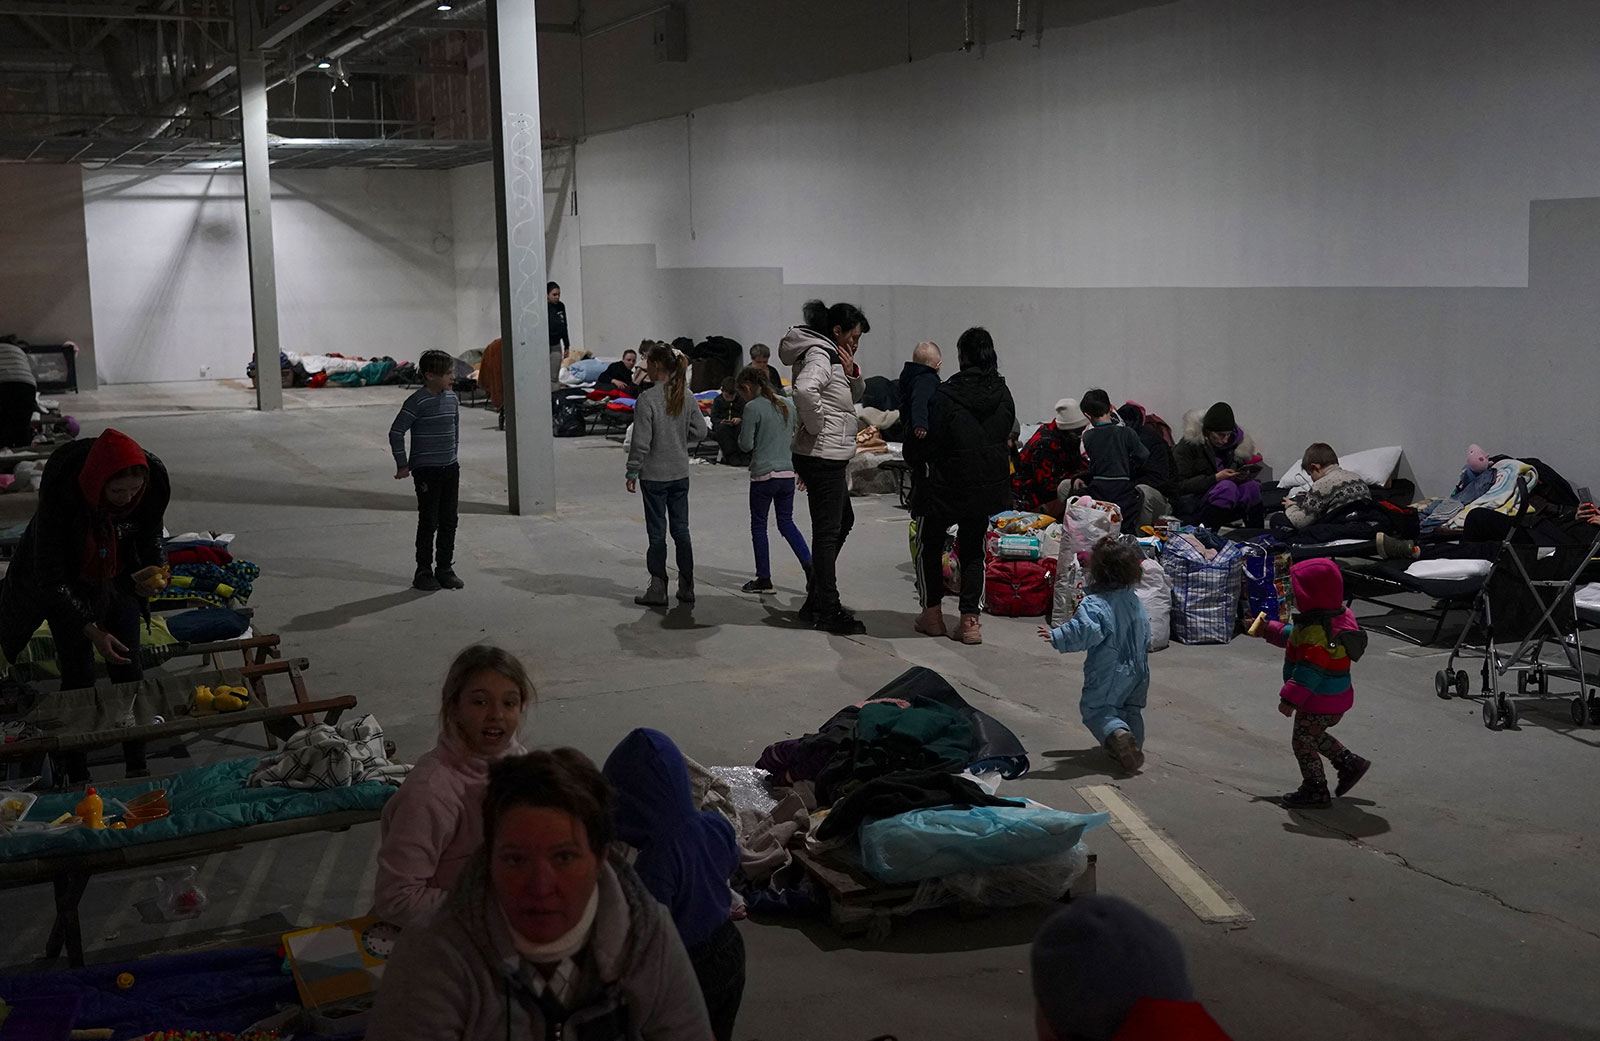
x=1449, y=569
x=1375, y=466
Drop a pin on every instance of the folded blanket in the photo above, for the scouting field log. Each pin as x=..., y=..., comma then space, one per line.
x=324, y=756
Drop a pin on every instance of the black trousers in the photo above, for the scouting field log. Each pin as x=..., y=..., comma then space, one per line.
x=969, y=556
x=438, y=493
x=828, y=496
x=75, y=659
x=719, y=966
x=16, y=414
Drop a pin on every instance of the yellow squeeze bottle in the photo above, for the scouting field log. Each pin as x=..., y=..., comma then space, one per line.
x=92, y=810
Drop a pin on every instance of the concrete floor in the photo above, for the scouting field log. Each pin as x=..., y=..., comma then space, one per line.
x=1455, y=898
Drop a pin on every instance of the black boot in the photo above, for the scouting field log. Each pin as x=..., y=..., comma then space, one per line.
x=424, y=579
x=446, y=576
x=1308, y=797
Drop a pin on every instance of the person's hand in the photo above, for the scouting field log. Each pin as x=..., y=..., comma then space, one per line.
x=920, y=432
x=847, y=358
x=402, y=473
x=619, y=384
x=736, y=420
x=799, y=484
x=633, y=485
x=148, y=588
x=1044, y=633
x=1285, y=709
x=1589, y=513
x=1226, y=475
x=110, y=648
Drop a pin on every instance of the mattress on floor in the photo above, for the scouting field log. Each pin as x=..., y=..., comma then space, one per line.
x=203, y=800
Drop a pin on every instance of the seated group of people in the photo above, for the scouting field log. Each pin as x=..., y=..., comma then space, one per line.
x=539, y=895
x=1124, y=456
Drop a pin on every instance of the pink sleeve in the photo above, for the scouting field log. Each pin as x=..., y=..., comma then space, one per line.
x=417, y=828
x=1277, y=633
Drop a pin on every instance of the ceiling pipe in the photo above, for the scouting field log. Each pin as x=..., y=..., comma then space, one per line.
x=1021, y=28
x=967, y=19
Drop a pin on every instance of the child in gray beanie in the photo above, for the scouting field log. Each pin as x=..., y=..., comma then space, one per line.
x=1103, y=970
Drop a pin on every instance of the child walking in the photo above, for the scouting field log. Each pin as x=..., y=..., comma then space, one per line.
x=1112, y=626
x=765, y=435
x=665, y=420
x=1318, y=649
x=434, y=824
x=433, y=415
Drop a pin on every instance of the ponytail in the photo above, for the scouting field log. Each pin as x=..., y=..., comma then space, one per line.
x=675, y=365
x=757, y=380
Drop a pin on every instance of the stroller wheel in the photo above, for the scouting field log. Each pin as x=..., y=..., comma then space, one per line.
x=1463, y=684
x=1594, y=709
x=1491, y=716
x=1441, y=684
x=1508, y=709
x=1522, y=683
x=1580, y=711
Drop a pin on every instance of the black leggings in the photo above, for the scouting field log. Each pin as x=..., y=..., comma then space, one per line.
x=719, y=967
x=969, y=556
x=16, y=414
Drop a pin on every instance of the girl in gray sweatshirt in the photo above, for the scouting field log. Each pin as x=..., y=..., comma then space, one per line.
x=665, y=419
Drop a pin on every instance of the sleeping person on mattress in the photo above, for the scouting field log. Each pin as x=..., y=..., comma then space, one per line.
x=434, y=824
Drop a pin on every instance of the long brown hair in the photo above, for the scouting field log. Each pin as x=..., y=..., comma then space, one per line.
x=756, y=379
x=674, y=365
x=475, y=659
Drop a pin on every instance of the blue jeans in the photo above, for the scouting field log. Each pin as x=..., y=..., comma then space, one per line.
x=778, y=492
x=666, y=505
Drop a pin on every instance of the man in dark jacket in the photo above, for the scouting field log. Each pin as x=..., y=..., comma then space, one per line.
x=99, y=522
x=965, y=480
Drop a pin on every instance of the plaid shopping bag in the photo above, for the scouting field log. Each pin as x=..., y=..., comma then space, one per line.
x=1205, y=590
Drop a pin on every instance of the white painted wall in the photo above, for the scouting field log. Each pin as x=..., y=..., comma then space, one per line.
x=1320, y=211
x=365, y=263
x=44, y=262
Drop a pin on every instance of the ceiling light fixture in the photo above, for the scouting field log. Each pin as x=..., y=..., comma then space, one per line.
x=324, y=64
x=442, y=7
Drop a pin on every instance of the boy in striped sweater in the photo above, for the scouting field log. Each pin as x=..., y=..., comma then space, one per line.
x=433, y=416
x=1318, y=648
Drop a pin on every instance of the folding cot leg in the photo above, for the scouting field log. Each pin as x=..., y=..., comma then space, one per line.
x=67, y=928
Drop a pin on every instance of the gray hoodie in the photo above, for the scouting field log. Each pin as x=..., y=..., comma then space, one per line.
x=824, y=395
x=460, y=978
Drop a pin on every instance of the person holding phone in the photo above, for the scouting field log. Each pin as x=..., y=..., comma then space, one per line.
x=91, y=557
x=1217, y=465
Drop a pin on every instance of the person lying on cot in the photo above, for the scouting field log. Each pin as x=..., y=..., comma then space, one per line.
x=433, y=825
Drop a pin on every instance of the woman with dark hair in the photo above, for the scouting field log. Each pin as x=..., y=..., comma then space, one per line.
x=966, y=479
x=826, y=385
x=86, y=564
x=543, y=935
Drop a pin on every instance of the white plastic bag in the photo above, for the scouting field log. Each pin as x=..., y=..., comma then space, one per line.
x=1084, y=525
x=1155, y=593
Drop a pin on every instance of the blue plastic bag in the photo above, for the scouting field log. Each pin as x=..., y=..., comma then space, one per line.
x=933, y=843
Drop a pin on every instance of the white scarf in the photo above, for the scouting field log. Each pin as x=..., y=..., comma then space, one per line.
x=565, y=946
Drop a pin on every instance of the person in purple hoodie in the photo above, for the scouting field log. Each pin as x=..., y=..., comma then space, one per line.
x=685, y=859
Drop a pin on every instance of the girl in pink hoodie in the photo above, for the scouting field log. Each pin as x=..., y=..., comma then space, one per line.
x=434, y=824
x=1318, y=649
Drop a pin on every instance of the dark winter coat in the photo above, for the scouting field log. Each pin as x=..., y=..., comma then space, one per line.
x=47, y=577
x=918, y=383
x=1051, y=456
x=968, y=468
x=1195, y=463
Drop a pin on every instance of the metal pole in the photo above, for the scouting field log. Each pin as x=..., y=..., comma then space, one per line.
x=519, y=228
x=258, y=211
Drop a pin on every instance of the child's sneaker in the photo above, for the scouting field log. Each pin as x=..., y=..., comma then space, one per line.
x=1351, y=773
x=425, y=581
x=1121, y=745
x=763, y=586
x=1307, y=797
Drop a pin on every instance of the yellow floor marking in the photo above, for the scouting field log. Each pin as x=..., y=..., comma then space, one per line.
x=1208, y=900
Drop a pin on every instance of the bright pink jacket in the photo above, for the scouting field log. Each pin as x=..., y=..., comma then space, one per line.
x=431, y=827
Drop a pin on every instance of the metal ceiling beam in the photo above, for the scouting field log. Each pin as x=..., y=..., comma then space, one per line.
x=303, y=15
x=54, y=10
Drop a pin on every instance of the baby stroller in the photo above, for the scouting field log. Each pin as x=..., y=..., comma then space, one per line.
x=1527, y=596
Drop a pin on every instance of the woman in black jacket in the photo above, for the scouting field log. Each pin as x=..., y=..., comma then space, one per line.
x=99, y=521
x=965, y=480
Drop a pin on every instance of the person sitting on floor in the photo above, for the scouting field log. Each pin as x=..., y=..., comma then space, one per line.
x=685, y=858
x=1113, y=453
x=1154, y=475
x=1216, y=465
x=1052, y=455
x=619, y=375
x=1332, y=487
x=727, y=413
x=1104, y=970
x=544, y=934
x=434, y=824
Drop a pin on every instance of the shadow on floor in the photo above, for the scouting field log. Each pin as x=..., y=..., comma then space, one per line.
x=938, y=930
x=206, y=487
x=1344, y=820
x=343, y=614
x=1071, y=764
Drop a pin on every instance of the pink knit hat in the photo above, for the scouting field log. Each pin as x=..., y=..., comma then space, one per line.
x=1477, y=461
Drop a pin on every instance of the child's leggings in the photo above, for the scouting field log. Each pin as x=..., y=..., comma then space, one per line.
x=765, y=496
x=1311, y=737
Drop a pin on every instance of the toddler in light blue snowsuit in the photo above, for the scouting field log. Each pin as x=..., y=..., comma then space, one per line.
x=1112, y=626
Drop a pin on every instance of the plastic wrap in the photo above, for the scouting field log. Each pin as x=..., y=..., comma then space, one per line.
x=750, y=786
x=939, y=843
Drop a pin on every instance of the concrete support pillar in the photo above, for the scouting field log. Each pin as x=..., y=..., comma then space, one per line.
x=519, y=221
x=258, y=209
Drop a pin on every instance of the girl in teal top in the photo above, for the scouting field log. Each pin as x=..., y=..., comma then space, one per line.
x=766, y=431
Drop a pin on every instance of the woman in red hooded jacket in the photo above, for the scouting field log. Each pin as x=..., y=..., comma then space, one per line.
x=101, y=504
